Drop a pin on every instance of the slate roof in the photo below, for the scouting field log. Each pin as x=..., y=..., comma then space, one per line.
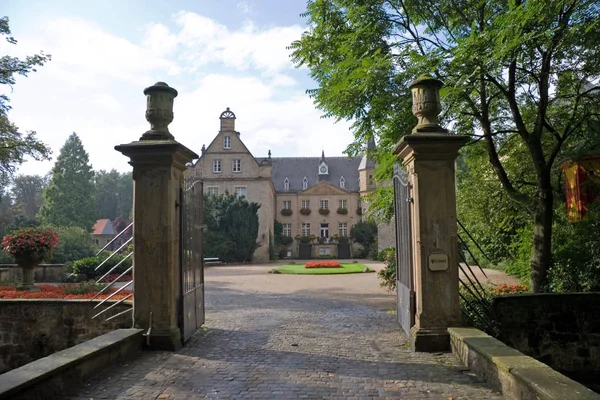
x=296, y=168
x=103, y=227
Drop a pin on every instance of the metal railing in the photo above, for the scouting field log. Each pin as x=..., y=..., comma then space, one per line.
x=475, y=297
x=110, y=286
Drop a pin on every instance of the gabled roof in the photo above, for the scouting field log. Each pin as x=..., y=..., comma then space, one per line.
x=103, y=227
x=296, y=168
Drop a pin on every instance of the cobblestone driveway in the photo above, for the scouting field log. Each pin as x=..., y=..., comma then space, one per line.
x=292, y=337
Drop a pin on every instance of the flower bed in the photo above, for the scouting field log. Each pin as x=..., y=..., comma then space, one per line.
x=322, y=264
x=111, y=277
x=55, y=292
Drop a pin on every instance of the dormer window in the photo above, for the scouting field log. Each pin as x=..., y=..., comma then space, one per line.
x=342, y=182
x=304, y=183
x=286, y=184
x=227, y=142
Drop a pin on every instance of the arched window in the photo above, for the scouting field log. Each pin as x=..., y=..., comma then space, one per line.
x=304, y=183
x=286, y=184
x=342, y=182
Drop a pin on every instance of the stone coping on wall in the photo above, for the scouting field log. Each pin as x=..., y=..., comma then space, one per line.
x=49, y=377
x=516, y=375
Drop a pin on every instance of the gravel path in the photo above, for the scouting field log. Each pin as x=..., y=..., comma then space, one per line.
x=271, y=336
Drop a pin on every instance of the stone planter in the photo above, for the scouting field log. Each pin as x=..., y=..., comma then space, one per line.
x=27, y=265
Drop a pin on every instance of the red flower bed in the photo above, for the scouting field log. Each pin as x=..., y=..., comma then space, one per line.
x=54, y=292
x=111, y=277
x=510, y=289
x=322, y=264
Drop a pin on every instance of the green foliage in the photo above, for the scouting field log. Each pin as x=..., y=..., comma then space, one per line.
x=16, y=145
x=27, y=194
x=83, y=288
x=113, y=194
x=232, y=224
x=272, y=252
x=75, y=243
x=88, y=265
x=365, y=233
x=576, y=262
x=388, y=274
x=69, y=199
x=497, y=60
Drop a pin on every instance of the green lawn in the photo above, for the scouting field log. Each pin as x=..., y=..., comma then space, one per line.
x=349, y=268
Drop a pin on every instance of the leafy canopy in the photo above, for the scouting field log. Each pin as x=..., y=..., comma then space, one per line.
x=69, y=199
x=15, y=145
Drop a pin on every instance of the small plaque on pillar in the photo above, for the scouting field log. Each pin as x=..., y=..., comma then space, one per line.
x=438, y=261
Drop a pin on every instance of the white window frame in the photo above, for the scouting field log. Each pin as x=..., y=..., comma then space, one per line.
x=236, y=163
x=236, y=189
x=227, y=142
x=287, y=229
x=212, y=190
x=286, y=184
x=324, y=204
x=305, y=203
x=217, y=166
x=287, y=204
x=304, y=183
x=306, y=229
x=343, y=228
x=342, y=182
x=343, y=204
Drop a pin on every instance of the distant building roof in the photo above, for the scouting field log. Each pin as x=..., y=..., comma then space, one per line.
x=103, y=227
x=296, y=168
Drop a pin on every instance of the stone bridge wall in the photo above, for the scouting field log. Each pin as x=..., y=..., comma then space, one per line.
x=32, y=329
x=560, y=330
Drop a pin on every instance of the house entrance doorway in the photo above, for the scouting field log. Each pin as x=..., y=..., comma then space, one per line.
x=325, y=230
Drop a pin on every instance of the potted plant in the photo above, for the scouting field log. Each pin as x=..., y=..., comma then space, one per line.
x=342, y=211
x=287, y=212
x=29, y=247
x=305, y=211
x=324, y=211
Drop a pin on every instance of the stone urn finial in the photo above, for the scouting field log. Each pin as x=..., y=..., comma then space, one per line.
x=159, y=111
x=426, y=104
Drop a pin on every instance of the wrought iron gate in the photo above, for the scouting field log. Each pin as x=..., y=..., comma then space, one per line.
x=404, y=257
x=192, y=259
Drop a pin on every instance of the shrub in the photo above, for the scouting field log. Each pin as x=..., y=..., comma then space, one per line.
x=75, y=244
x=322, y=264
x=343, y=239
x=342, y=211
x=286, y=240
x=305, y=211
x=83, y=288
x=287, y=212
x=359, y=211
x=388, y=274
x=324, y=211
x=383, y=254
x=305, y=239
x=365, y=233
x=87, y=266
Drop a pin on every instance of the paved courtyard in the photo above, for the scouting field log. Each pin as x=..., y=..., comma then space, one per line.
x=271, y=336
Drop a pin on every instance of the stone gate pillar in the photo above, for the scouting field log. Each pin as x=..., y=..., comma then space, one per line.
x=158, y=163
x=429, y=154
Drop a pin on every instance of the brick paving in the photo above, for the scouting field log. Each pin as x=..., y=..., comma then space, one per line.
x=291, y=337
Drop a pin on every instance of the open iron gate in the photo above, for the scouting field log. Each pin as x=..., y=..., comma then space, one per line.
x=404, y=257
x=192, y=259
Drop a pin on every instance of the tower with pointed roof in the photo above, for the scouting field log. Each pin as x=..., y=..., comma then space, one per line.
x=366, y=169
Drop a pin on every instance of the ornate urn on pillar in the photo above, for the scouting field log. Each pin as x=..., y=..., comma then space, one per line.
x=426, y=104
x=29, y=247
x=159, y=111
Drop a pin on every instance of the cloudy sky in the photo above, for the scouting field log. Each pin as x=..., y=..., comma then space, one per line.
x=217, y=54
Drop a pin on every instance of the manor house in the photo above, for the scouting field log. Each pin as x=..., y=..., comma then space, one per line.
x=318, y=196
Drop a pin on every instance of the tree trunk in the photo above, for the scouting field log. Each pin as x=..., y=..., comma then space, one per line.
x=541, y=260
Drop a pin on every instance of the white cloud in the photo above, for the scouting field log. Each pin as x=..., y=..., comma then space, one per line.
x=93, y=86
x=244, y=7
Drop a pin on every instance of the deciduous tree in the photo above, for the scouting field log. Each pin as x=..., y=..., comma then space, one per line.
x=520, y=79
